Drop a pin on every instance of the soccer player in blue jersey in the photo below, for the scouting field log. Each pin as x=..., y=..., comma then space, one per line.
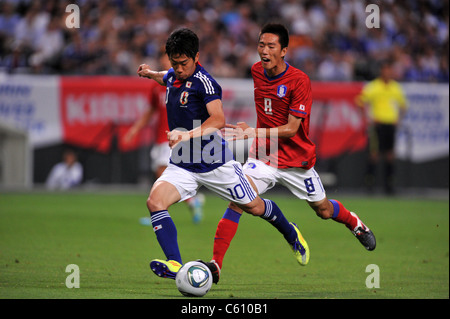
x=200, y=157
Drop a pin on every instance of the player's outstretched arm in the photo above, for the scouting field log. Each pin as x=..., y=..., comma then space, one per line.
x=243, y=131
x=145, y=71
x=215, y=122
x=240, y=131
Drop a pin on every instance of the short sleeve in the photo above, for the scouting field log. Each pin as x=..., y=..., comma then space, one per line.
x=166, y=76
x=301, y=98
x=400, y=96
x=208, y=89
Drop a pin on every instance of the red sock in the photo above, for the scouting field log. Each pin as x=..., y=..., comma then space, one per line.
x=343, y=215
x=226, y=229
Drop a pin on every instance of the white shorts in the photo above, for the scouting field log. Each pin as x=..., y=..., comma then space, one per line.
x=304, y=184
x=159, y=155
x=228, y=181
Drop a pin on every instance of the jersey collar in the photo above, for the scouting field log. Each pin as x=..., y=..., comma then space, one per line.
x=179, y=83
x=276, y=76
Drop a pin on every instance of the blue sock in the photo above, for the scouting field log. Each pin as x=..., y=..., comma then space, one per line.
x=232, y=215
x=274, y=215
x=166, y=233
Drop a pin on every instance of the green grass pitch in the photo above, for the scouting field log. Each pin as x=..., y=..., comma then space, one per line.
x=42, y=233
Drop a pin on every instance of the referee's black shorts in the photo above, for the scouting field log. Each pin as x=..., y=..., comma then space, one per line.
x=385, y=134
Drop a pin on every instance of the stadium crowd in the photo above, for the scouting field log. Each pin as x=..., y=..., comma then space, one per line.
x=329, y=38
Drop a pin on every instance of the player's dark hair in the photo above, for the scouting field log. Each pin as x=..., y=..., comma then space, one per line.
x=182, y=41
x=279, y=30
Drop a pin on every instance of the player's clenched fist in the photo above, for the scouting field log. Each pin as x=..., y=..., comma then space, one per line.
x=176, y=136
x=144, y=70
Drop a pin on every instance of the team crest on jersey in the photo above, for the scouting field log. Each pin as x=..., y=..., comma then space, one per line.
x=184, y=98
x=281, y=91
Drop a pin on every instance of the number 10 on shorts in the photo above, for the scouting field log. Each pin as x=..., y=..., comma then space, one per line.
x=237, y=192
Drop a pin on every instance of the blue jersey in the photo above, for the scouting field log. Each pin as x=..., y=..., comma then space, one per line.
x=186, y=109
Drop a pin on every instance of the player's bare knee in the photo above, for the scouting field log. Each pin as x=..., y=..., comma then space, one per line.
x=254, y=208
x=149, y=204
x=234, y=207
x=256, y=211
x=154, y=205
x=324, y=210
x=324, y=213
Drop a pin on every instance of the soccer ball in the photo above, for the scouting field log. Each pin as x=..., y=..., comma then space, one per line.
x=194, y=279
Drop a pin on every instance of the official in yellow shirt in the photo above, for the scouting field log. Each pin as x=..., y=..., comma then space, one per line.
x=387, y=104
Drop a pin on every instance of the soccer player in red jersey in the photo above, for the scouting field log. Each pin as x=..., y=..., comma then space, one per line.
x=282, y=151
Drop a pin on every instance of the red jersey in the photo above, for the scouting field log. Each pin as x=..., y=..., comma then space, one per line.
x=158, y=102
x=276, y=98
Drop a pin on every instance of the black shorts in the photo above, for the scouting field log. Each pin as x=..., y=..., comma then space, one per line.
x=385, y=136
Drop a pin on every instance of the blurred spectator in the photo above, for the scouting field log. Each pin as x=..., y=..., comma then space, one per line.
x=66, y=174
x=8, y=20
x=48, y=47
x=329, y=37
x=335, y=67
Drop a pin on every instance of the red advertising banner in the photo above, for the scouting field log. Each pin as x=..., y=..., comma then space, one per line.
x=97, y=110
x=337, y=125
